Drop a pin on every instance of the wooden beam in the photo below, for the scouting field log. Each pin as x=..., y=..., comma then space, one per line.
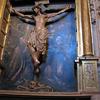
x=42, y=1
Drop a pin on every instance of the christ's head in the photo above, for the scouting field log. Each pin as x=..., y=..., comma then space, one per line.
x=37, y=8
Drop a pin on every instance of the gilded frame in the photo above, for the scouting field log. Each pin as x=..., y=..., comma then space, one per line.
x=84, y=40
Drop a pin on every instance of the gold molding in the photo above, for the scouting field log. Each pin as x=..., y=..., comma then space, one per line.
x=83, y=22
x=2, y=6
x=86, y=28
x=4, y=23
x=79, y=28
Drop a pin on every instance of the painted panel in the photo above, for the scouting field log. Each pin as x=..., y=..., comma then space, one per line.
x=57, y=70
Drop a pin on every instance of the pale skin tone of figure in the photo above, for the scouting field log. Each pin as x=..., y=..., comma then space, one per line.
x=38, y=46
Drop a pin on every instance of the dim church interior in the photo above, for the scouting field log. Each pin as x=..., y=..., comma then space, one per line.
x=25, y=7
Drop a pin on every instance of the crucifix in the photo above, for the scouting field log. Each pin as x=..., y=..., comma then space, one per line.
x=38, y=43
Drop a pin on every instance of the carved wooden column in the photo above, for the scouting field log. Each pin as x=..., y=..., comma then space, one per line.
x=86, y=62
x=86, y=29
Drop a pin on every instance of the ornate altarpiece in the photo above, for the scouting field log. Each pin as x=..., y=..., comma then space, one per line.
x=86, y=62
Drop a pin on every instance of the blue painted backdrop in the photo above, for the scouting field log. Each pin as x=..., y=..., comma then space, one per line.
x=58, y=69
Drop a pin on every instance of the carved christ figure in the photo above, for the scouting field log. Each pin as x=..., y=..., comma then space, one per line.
x=38, y=43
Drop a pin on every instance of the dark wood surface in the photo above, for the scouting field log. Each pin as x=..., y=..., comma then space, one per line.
x=26, y=95
x=45, y=94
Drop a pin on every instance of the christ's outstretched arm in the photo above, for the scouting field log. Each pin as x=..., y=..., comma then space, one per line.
x=21, y=15
x=69, y=6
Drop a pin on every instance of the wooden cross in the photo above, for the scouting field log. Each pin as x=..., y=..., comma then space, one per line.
x=42, y=1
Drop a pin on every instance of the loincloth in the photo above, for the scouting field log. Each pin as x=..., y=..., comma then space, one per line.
x=39, y=40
